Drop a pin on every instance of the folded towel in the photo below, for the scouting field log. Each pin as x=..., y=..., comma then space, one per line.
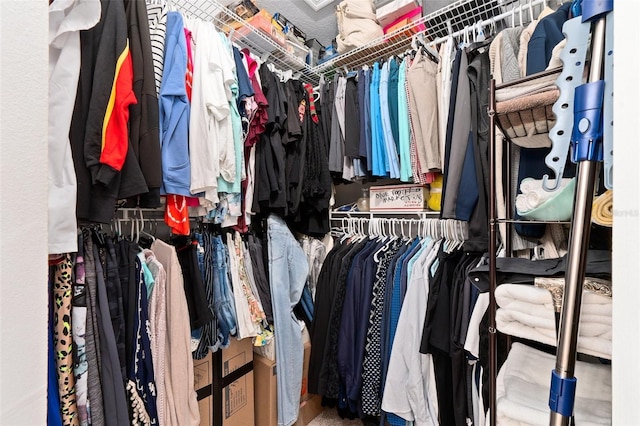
x=528, y=312
x=531, y=185
x=603, y=209
x=522, y=389
x=528, y=87
x=534, y=101
x=533, y=194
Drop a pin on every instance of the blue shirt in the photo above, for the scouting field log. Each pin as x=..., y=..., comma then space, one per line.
x=379, y=156
x=392, y=165
x=404, y=130
x=174, y=111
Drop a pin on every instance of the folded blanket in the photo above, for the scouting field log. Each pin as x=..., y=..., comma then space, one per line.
x=528, y=312
x=529, y=102
x=528, y=87
x=603, y=209
x=529, y=127
x=522, y=389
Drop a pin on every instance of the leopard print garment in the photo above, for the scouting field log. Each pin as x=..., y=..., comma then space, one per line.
x=63, y=341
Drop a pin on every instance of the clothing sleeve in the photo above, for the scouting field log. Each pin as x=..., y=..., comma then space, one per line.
x=107, y=135
x=226, y=86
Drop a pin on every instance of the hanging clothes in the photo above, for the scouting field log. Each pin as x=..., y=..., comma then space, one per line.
x=63, y=339
x=66, y=21
x=144, y=128
x=287, y=275
x=181, y=399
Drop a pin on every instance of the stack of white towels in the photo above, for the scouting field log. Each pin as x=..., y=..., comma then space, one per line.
x=522, y=390
x=533, y=194
x=526, y=311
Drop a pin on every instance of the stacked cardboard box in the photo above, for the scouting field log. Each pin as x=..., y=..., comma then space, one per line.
x=224, y=382
x=265, y=371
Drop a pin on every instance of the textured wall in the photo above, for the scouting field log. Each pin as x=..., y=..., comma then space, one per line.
x=23, y=211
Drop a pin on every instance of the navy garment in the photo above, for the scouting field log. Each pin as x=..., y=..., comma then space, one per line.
x=545, y=37
x=141, y=378
x=245, y=88
x=394, y=71
x=330, y=365
x=386, y=312
x=353, y=326
x=468, y=190
x=304, y=308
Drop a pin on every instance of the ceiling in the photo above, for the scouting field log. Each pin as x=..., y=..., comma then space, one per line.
x=322, y=24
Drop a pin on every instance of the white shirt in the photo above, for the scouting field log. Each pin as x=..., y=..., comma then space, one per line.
x=66, y=19
x=210, y=121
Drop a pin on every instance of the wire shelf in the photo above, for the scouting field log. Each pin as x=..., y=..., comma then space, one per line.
x=452, y=20
x=258, y=42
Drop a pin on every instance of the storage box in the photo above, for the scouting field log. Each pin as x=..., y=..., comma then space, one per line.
x=394, y=10
x=266, y=412
x=203, y=382
x=224, y=383
x=398, y=198
x=265, y=371
x=404, y=21
x=267, y=351
x=263, y=22
x=309, y=410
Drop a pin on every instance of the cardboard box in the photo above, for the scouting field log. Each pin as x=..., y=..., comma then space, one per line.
x=309, y=410
x=267, y=351
x=394, y=10
x=266, y=412
x=304, y=391
x=398, y=198
x=224, y=382
x=203, y=376
x=265, y=371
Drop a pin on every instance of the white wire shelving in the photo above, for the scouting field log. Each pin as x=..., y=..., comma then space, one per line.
x=456, y=19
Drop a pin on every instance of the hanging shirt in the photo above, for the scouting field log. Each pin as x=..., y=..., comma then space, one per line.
x=379, y=156
x=229, y=181
x=66, y=20
x=404, y=131
x=157, y=15
x=210, y=124
x=174, y=111
x=392, y=166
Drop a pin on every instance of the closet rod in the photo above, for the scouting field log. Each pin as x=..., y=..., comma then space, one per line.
x=491, y=20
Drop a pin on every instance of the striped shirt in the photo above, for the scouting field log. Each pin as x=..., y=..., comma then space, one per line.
x=157, y=14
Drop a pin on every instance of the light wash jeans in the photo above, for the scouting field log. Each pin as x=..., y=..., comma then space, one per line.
x=224, y=306
x=288, y=270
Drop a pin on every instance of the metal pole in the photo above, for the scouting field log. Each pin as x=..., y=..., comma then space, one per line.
x=493, y=355
x=578, y=242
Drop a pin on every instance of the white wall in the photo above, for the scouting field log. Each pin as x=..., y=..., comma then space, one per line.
x=626, y=231
x=23, y=211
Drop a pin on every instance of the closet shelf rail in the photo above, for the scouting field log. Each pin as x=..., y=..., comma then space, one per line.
x=460, y=17
x=247, y=36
